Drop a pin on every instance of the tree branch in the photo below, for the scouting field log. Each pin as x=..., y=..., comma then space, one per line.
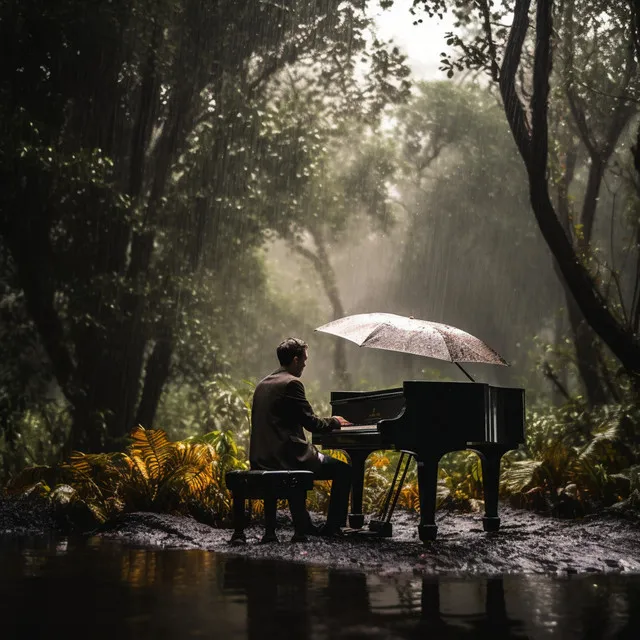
x=593, y=306
x=486, y=17
x=550, y=374
x=540, y=97
x=27, y=238
x=513, y=107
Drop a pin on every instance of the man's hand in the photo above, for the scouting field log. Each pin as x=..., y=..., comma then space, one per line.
x=343, y=421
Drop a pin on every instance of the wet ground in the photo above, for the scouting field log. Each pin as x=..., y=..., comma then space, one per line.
x=527, y=542
x=152, y=576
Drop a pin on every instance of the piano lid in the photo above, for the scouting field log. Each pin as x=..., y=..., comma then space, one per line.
x=367, y=407
x=338, y=397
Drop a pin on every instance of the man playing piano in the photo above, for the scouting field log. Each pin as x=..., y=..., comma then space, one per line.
x=279, y=412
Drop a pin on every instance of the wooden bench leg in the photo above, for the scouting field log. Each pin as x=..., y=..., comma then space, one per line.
x=270, y=504
x=299, y=515
x=238, y=517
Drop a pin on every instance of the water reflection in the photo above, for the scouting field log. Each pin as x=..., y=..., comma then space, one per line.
x=99, y=589
x=350, y=605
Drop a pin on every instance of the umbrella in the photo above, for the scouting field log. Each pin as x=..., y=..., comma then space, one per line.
x=409, y=335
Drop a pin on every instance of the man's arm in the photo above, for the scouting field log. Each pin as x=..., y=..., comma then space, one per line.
x=303, y=413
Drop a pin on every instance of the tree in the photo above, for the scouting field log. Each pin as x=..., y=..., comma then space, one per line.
x=25, y=377
x=340, y=164
x=589, y=114
x=347, y=191
x=129, y=141
x=470, y=243
x=522, y=69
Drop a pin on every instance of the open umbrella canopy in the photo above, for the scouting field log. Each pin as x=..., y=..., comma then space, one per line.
x=409, y=335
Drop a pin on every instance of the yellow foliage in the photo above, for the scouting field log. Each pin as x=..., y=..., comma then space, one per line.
x=410, y=497
x=30, y=477
x=153, y=474
x=153, y=447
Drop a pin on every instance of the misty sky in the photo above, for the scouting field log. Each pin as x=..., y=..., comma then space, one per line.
x=422, y=43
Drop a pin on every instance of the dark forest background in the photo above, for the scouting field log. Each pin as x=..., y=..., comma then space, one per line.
x=187, y=182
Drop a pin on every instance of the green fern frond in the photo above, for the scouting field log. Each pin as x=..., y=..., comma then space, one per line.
x=122, y=466
x=197, y=454
x=519, y=475
x=82, y=469
x=31, y=476
x=194, y=480
x=139, y=468
x=79, y=466
x=153, y=447
x=99, y=513
x=605, y=445
x=443, y=492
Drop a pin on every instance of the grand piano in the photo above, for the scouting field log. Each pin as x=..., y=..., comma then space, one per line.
x=426, y=420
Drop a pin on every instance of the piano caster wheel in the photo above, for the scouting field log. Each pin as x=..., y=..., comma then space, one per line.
x=427, y=532
x=490, y=524
x=356, y=520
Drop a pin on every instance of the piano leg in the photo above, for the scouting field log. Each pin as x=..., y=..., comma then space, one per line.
x=427, y=485
x=358, y=458
x=490, y=459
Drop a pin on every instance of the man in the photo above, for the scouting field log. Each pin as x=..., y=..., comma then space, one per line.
x=279, y=412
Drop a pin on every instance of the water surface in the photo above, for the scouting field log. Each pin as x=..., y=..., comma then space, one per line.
x=102, y=589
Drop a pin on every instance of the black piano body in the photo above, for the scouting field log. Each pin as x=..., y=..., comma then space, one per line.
x=429, y=419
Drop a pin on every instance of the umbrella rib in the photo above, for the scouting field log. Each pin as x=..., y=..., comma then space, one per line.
x=375, y=331
x=446, y=346
x=488, y=348
x=477, y=353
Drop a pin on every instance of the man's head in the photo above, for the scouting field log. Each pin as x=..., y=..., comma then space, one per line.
x=292, y=355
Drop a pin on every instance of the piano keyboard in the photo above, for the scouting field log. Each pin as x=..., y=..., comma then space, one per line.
x=359, y=427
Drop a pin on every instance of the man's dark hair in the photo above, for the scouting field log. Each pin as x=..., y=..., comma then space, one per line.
x=290, y=348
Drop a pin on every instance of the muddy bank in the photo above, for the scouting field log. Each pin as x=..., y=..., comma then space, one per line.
x=527, y=542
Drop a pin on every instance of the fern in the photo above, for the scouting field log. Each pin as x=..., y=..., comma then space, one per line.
x=153, y=447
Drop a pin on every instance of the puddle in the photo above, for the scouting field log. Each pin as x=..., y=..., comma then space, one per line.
x=103, y=589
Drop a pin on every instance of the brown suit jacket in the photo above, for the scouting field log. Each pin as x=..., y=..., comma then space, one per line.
x=279, y=412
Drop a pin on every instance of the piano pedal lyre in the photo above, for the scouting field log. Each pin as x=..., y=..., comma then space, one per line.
x=382, y=523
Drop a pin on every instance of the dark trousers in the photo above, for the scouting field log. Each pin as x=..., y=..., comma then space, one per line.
x=340, y=475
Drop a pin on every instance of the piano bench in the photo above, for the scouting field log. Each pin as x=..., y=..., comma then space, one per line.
x=269, y=486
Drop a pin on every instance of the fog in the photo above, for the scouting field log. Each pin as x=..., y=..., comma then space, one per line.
x=474, y=290
x=192, y=182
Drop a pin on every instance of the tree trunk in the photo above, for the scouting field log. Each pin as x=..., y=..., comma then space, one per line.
x=322, y=265
x=157, y=373
x=587, y=360
x=532, y=142
x=560, y=379
x=586, y=347
x=620, y=340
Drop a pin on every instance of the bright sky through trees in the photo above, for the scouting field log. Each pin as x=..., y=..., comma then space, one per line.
x=422, y=43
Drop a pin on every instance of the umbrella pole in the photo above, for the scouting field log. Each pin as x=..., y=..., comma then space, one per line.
x=463, y=371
